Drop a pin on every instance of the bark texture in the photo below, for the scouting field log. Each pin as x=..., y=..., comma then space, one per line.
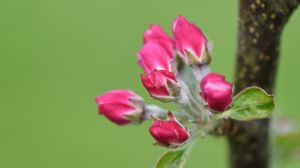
x=260, y=26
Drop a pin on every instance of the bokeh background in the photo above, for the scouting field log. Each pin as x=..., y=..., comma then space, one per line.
x=57, y=55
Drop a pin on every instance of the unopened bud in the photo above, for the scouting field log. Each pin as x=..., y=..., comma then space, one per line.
x=216, y=92
x=169, y=133
x=121, y=106
x=190, y=42
x=161, y=85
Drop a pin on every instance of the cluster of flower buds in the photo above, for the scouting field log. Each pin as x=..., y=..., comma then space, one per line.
x=159, y=58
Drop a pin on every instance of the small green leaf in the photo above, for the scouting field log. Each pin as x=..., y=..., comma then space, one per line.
x=250, y=104
x=172, y=159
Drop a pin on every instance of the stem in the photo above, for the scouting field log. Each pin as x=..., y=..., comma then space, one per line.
x=260, y=26
x=200, y=72
x=191, y=104
x=151, y=109
x=156, y=111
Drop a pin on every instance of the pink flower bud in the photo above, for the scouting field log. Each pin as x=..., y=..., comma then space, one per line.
x=121, y=106
x=153, y=56
x=216, y=91
x=161, y=85
x=156, y=34
x=190, y=42
x=169, y=133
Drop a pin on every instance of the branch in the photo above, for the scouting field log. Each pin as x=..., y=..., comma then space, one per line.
x=260, y=27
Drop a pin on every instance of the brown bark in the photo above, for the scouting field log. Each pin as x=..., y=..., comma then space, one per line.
x=260, y=27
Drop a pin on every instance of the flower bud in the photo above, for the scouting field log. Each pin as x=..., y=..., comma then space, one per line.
x=161, y=85
x=153, y=56
x=216, y=91
x=169, y=133
x=156, y=34
x=190, y=42
x=121, y=106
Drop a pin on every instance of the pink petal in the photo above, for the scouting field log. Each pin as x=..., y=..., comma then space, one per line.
x=152, y=57
x=155, y=34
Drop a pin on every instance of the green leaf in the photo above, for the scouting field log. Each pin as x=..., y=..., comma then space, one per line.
x=172, y=159
x=250, y=104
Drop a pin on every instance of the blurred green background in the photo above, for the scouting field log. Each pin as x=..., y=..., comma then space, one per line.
x=57, y=55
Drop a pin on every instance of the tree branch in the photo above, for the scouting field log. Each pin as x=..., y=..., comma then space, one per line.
x=260, y=26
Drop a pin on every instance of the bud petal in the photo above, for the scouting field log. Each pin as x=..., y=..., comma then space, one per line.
x=169, y=133
x=161, y=85
x=121, y=106
x=156, y=34
x=190, y=42
x=216, y=91
x=153, y=56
